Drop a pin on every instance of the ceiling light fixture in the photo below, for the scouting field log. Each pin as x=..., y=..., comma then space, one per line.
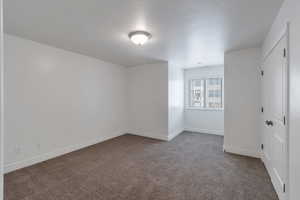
x=139, y=37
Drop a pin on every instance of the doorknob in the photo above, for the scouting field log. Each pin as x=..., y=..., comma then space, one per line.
x=269, y=123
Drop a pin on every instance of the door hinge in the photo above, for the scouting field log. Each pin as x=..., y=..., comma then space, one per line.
x=262, y=146
x=262, y=109
x=284, y=52
x=284, y=120
x=262, y=72
x=284, y=188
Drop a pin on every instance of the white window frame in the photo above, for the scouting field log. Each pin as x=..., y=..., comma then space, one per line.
x=189, y=105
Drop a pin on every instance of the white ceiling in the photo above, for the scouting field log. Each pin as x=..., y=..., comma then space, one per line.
x=184, y=31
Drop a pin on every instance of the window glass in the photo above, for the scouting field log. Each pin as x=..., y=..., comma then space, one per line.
x=198, y=93
x=206, y=93
x=214, y=93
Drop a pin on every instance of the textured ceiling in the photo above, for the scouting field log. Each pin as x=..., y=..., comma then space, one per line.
x=184, y=31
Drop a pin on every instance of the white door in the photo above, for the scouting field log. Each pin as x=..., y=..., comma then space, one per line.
x=274, y=83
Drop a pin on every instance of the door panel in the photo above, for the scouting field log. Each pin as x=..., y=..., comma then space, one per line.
x=274, y=128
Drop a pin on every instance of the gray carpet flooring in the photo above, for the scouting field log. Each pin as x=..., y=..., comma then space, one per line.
x=190, y=167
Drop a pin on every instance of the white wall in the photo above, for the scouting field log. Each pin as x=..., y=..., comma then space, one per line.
x=148, y=100
x=242, y=102
x=201, y=120
x=175, y=100
x=289, y=12
x=58, y=101
x=1, y=100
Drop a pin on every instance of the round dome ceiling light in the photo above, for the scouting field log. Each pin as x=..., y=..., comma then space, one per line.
x=139, y=37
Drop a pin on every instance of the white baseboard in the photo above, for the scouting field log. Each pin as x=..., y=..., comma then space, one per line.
x=58, y=152
x=174, y=134
x=152, y=135
x=241, y=151
x=207, y=131
x=266, y=162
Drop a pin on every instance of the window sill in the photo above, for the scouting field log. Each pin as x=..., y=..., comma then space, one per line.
x=205, y=109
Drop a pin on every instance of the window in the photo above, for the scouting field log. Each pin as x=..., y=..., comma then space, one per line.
x=198, y=93
x=206, y=93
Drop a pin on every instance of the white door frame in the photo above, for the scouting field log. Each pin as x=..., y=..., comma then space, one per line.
x=284, y=33
x=1, y=99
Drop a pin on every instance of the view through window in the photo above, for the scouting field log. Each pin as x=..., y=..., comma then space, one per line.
x=206, y=93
